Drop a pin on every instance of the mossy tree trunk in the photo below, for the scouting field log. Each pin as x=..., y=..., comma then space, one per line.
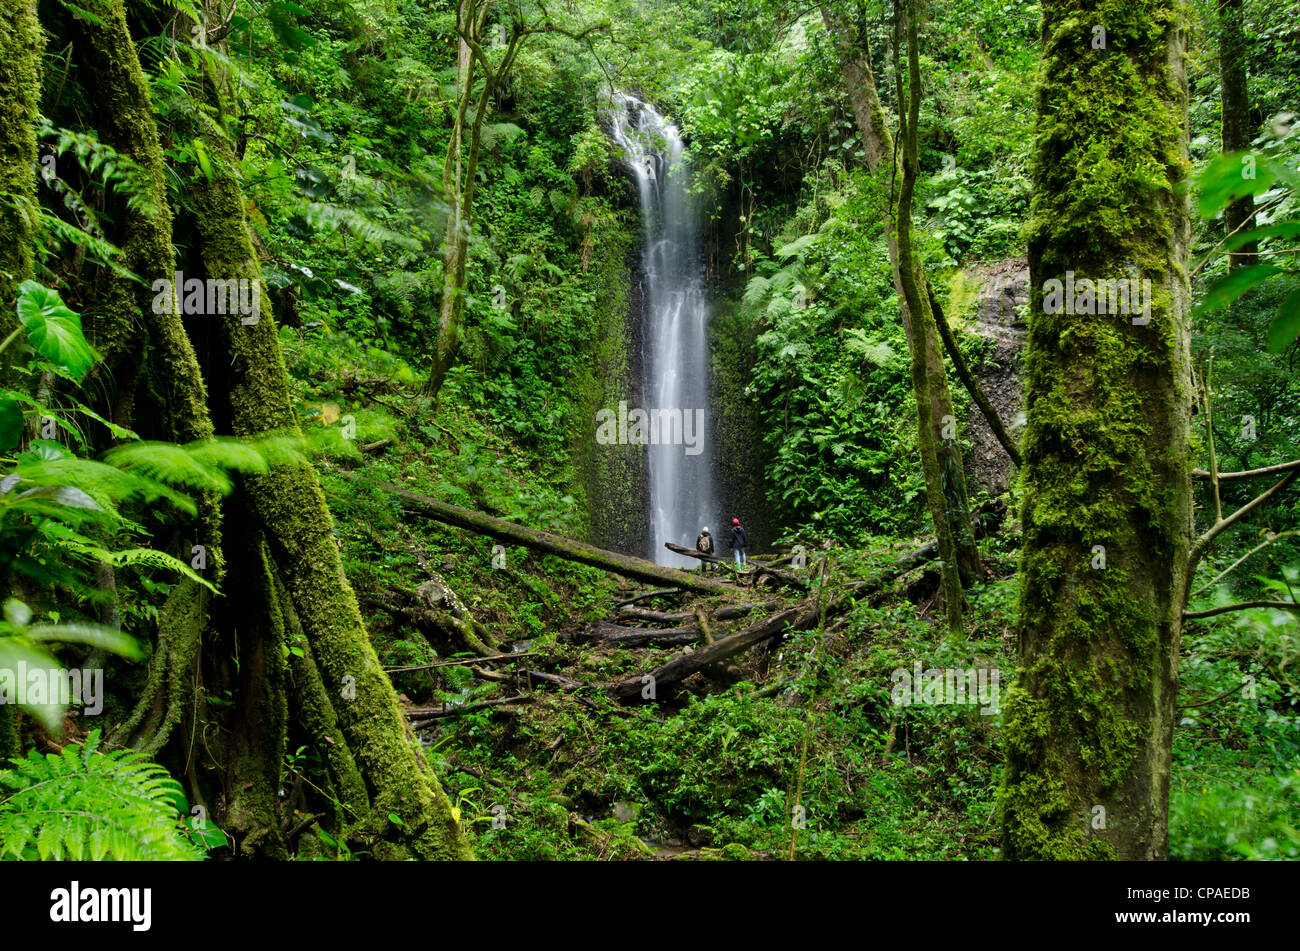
x=1107, y=495
x=290, y=576
x=289, y=505
x=21, y=44
x=1235, y=117
x=941, y=460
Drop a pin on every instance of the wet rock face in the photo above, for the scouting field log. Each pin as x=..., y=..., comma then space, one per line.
x=998, y=316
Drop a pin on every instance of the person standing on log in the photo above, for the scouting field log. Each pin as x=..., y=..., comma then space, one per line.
x=704, y=545
x=739, y=542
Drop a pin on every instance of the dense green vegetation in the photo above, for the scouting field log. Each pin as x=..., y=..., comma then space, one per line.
x=126, y=526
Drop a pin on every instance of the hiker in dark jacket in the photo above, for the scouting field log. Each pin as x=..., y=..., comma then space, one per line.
x=704, y=545
x=739, y=542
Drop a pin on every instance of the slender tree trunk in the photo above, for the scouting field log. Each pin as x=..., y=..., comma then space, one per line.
x=458, y=179
x=21, y=44
x=1235, y=117
x=941, y=461
x=1107, y=511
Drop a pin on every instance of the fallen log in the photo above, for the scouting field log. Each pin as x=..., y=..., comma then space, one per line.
x=616, y=635
x=534, y=676
x=547, y=543
x=740, y=610
x=700, y=556
x=788, y=578
x=460, y=663
x=633, y=689
x=784, y=577
x=646, y=596
x=423, y=613
x=654, y=617
x=422, y=716
x=721, y=614
x=652, y=638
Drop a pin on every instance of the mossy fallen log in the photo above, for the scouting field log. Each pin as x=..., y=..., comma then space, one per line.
x=548, y=543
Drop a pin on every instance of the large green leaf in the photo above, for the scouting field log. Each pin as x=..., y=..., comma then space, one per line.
x=1286, y=325
x=95, y=635
x=1228, y=289
x=11, y=422
x=54, y=330
x=1229, y=178
x=1283, y=229
x=18, y=662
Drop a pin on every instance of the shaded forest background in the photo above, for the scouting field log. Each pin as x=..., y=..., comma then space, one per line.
x=251, y=602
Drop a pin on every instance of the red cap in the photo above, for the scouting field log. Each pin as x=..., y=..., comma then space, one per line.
x=735, y=521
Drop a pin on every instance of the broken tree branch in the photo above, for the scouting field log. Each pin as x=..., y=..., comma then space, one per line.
x=1272, y=537
x=1204, y=542
x=656, y=593
x=459, y=663
x=969, y=381
x=679, y=668
x=422, y=716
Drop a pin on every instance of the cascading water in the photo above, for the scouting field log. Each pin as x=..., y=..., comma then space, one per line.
x=675, y=357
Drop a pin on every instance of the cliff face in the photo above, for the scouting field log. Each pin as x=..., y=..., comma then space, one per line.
x=997, y=313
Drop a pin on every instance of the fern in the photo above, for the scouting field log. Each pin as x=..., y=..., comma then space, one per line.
x=325, y=217
x=115, y=171
x=797, y=247
x=101, y=251
x=84, y=803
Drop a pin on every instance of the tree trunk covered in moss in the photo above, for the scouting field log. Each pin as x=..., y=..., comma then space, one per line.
x=1107, y=495
x=289, y=504
x=132, y=334
x=941, y=461
x=936, y=425
x=21, y=44
x=249, y=665
x=1235, y=117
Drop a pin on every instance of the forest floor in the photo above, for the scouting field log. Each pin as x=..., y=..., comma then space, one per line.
x=792, y=747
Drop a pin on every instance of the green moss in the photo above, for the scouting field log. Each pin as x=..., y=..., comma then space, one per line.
x=1089, y=721
x=289, y=502
x=21, y=44
x=611, y=479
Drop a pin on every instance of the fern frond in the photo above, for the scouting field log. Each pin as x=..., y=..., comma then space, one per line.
x=797, y=247
x=326, y=217
x=756, y=290
x=81, y=803
x=101, y=251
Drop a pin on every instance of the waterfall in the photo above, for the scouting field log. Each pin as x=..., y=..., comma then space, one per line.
x=675, y=353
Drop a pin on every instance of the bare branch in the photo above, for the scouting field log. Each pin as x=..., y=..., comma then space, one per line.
x=1227, y=571
x=1202, y=543
x=1241, y=606
x=1249, y=473
x=968, y=379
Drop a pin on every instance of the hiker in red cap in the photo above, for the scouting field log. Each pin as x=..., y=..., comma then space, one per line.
x=739, y=542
